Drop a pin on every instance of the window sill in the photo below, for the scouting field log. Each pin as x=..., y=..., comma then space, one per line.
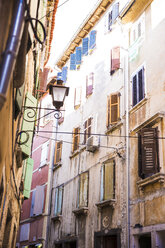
x=106, y=203
x=112, y=128
x=57, y=218
x=75, y=153
x=138, y=105
x=81, y=211
x=57, y=165
x=156, y=178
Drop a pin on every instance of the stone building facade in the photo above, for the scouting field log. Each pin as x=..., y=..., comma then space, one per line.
x=108, y=179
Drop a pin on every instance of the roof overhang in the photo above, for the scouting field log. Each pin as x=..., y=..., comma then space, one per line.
x=133, y=10
x=83, y=30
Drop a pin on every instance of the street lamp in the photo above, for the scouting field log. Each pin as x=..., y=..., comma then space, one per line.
x=58, y=92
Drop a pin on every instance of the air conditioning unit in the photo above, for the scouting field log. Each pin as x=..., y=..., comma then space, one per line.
x=92, y=144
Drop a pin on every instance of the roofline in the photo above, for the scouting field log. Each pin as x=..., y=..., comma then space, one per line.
x=89, y=22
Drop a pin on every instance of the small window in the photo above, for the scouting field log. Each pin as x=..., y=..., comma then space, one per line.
x=89, y=84
x=108, y=181
x=76, y=139
x=58, y=200
x=137, y=30
x=38, y=197
x=77, y=97
x=58, y=151
x=83, y=190
x=113, y=109
x=44, y=154
x=148, y=155
x=87, y=129
x=138, y=89
x=115, y=59
x=112, y=15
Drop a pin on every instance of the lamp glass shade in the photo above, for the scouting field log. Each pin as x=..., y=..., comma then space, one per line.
x=58, y=95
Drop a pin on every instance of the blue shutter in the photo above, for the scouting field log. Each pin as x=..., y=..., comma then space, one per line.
x=32, y=203
x=115, y=12
x=64, y=74
x=92, y=42
x=85, y=46
x=102, y=184
x=60, y=196
x=78, y=55
x=56, y=202
x=59, y=75
x=73, y=61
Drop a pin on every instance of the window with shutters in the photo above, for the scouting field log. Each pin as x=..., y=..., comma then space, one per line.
x=73, y=61
x=87, y=129
x=138, y=86
x=76, y=139
x=83, y=190
x=58, y=151
x=107, y=181
x=85, y=46
x=77, y=97
x=148, y=154
x=89, y=84
x=115, y=59
x=113, y=109
x=58, y=200
x=37, y=203
x=44, y=154
x=92, y=41
x=137, y=30
x=111, y=16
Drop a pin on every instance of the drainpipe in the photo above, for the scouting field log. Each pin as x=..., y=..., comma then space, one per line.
x=11, y=51
x=126, y=86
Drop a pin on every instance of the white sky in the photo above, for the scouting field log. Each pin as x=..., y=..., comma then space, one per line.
x=69, y=17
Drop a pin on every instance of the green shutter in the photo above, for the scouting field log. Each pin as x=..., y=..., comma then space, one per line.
x=28, y=177
x=28, y=125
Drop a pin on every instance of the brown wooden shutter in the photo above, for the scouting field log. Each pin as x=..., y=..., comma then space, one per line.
x=58, y=150
x=76, y=139
x=114, y=108
x=109, y=180
x=115, y=59
x=149, y=150
x=83, y=193
x=108, y=112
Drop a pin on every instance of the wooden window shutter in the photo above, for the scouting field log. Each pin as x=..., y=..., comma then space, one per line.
x=102, y=184
x=134, y=90
x=92, y=41
x=76, y=137
x=85, y=42
x=28, y=177
x=73, y=61
x=60, y=198
x=109, y=180
x=141, y=84
x=149, y=151
x=28, y=125
x=115, y=12
x=83, y=192
x=115, y=59
x=87, y=129
x=19, y=100
x=32, y=203
x=64, y=73
x=39, y=200
x=77, y=97
x=78, y=55
x=44, y=153
x=114, y=108
x=58, y=150
x=89, y=84
x=108, y=112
